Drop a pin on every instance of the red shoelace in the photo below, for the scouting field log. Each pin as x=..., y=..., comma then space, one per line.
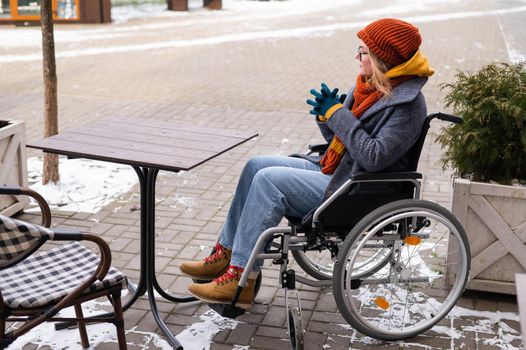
x=233, y=273
x=219, y=253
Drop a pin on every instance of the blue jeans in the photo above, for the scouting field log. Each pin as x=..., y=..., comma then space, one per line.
x=269, y=188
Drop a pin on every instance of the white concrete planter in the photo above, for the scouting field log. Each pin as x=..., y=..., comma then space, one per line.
x=494, y=217
x=13, y=171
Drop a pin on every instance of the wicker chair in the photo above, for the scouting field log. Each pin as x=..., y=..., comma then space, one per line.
x=35, y=285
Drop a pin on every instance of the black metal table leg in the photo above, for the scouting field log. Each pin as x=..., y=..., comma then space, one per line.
x=150, y=256
x=140, y=288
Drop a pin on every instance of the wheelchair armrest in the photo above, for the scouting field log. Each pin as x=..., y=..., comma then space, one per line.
x=23, y=191
x=408, y=175
x=319, y=148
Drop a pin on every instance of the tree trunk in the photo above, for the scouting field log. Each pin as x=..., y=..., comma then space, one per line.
x=50, y=89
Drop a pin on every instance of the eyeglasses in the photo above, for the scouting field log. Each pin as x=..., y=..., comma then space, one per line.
x=361, y=53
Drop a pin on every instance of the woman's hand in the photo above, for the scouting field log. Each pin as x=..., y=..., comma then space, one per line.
x=324, y=100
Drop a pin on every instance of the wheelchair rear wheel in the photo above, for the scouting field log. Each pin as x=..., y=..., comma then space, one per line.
x=420, y=282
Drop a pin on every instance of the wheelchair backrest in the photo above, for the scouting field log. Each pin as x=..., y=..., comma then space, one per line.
x=413, y=155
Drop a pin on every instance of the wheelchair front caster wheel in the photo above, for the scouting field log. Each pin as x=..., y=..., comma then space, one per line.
x=296, y=332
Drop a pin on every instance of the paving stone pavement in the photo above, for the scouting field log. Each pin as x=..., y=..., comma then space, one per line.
x=249, y=71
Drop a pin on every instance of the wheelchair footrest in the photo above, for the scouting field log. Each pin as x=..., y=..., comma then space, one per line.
x=226, y=310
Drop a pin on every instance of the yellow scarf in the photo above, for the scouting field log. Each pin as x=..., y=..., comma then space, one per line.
x=365, y=97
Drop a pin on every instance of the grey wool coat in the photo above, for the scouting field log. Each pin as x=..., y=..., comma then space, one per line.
x=379, y=139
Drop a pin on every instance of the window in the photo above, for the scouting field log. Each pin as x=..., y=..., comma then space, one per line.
x=5, y=9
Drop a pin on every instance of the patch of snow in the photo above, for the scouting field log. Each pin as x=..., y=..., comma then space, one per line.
x=515, y=56
x=45, y=334
x=405, y=6
x=485, y=322
x=276, y=9
x=449, y=331
x=32, y=37
x=121, y=14
x=254, y=35
x=84, y=186
x=199, y=335
x=184, y=202
x=494, y=317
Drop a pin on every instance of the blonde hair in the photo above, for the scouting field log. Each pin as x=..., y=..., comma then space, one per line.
x=378, y=79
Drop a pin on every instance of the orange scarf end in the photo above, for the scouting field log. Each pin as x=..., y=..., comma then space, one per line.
x=332, y=157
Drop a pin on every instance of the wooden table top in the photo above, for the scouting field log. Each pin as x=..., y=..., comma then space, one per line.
x=171, y=146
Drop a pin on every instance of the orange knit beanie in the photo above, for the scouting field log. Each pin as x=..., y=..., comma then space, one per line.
x=392, y=40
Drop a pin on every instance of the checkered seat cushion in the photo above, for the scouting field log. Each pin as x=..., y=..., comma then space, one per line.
x=48, y=276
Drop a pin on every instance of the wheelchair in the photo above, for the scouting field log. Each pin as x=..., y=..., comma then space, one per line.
x=397, y=264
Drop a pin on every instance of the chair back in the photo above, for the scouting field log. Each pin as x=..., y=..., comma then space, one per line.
x=19, y=239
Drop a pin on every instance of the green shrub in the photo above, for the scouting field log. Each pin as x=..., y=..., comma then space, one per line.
x=490, y=145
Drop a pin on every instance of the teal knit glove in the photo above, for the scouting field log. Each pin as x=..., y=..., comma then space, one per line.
x=323, y=100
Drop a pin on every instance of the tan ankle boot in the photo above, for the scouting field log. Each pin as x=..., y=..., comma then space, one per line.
x=209, y=268
x=222, y=289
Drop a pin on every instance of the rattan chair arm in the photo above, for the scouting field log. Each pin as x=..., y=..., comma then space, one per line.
x=105, y=254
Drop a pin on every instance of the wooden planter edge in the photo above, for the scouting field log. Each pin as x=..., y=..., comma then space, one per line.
x=16, y=130
x=462, y=191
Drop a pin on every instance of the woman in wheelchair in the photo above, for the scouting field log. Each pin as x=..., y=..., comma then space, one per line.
x=369, y=131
